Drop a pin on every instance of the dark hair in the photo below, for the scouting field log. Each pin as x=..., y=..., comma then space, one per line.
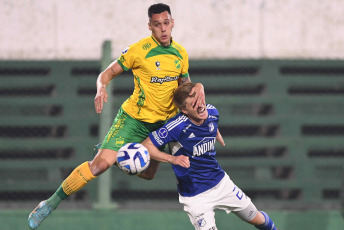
x=182, y=93
x=157, y=9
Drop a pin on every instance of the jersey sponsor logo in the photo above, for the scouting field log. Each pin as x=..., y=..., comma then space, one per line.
x=157, y=139
x=146, y=46
x=162, y=80
x=125, y=51
x=206, y=145
x=163, y=133
x=211, y=116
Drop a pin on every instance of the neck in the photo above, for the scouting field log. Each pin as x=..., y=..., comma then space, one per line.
x=197, y=121
x=167, y=44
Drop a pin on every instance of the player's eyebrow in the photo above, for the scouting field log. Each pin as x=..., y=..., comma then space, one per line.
x=167, y=19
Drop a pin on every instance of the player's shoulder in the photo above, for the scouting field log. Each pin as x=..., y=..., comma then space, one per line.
x=145, y=43
x=212, y=110
x=142, y=46
x=177, y=122
x=178, y=47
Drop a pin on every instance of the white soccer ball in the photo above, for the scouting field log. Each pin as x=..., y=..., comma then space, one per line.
x=133, y=158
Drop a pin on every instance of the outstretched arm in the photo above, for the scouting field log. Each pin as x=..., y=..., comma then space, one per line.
x=104, y=78
x=157, y=155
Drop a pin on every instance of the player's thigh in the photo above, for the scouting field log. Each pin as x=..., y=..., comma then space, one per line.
x=124, y=129
x=204, y=220
x=200, y=210
x=229, y=196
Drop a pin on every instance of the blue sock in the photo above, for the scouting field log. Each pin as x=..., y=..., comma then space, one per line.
x=268, y=225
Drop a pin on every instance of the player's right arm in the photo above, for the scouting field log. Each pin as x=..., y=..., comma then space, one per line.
x=157, y=155
x=104, y=78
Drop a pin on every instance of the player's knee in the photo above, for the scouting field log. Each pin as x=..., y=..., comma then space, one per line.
x=98, y=167
x=259, y=219
x=149, y=174
x=146, y=175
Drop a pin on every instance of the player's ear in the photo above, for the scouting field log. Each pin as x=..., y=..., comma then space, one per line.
x=149, y=26
x=172, y=21
x=184, y=111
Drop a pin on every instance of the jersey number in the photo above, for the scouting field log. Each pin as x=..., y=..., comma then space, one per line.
x=239, y=193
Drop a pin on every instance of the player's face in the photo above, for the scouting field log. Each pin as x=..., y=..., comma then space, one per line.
x=161, y=26
x=196, y=114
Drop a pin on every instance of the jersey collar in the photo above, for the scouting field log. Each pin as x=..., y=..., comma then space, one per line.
x=156, y=41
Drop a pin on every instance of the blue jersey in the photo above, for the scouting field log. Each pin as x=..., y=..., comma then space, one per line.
x=198, y=143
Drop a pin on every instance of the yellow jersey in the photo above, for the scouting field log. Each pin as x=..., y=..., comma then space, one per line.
x=156, y=71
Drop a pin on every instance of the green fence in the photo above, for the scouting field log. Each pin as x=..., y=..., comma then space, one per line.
x=284, y=127
x=282, y=121
x=283, y=124
x=47, y=124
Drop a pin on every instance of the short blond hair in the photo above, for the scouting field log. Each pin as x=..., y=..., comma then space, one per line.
x=182, y=93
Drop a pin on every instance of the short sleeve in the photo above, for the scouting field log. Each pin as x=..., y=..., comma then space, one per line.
x=127, y=58
x=185, y=69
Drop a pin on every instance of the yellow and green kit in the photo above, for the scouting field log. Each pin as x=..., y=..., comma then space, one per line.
x=156, y=71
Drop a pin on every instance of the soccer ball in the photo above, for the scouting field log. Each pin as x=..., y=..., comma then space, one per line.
x=133, y=158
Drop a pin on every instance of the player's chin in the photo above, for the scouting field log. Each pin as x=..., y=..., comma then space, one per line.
x=164, y=40
x=203, y=115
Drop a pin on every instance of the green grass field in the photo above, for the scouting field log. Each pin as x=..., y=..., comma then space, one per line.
x=166, y=220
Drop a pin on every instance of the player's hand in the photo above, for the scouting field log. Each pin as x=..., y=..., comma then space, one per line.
x=199, y=99
x=100, y=99
x=180, y=160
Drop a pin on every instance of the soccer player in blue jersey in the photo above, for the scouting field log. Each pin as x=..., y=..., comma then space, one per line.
x=202, y=184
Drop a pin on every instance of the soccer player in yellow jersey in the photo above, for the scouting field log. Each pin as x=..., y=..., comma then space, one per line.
x=159, y=65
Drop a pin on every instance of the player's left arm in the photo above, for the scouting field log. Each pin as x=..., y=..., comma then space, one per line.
x=157, y=155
